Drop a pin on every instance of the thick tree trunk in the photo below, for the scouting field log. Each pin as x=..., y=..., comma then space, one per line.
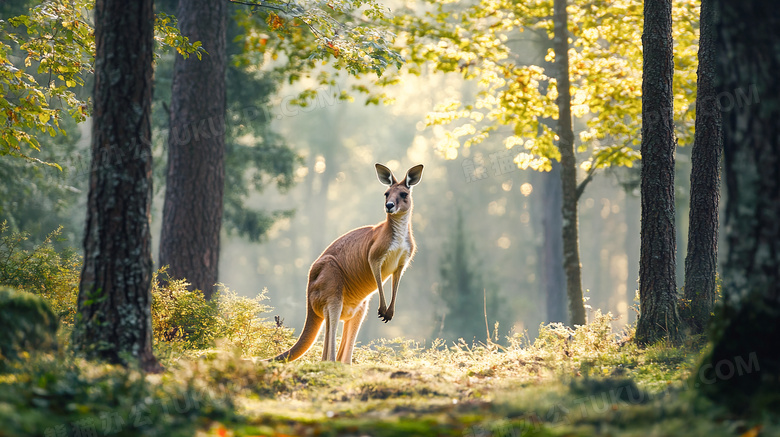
x=702, y=258
x=554, y=278
x=658, y=318
x=743, y=369
x=114, y=301
x=571, y=244
x=192, y=214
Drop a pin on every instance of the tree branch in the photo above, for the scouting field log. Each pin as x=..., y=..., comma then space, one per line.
x=295, y=12
x=589, y=175
x=581, y=186
x=262, y=4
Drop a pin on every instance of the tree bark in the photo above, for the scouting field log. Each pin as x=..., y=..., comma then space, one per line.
x=114, y=302
x=195, y=184
x=702, y=257
x=748, y=58
x=552, y=251
x=570, y=229
x=658, y=318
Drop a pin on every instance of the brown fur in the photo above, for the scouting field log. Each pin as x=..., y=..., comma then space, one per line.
x=352, y=268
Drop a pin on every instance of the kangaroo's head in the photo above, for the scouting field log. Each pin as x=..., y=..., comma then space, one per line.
x=398, y=197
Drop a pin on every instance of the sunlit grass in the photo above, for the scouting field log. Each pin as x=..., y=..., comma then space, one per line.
x=587, y=381
x=584, y=381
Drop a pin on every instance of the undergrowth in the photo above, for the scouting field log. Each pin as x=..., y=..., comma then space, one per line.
x=584, y=381
x=185, y=324
x=41, y=270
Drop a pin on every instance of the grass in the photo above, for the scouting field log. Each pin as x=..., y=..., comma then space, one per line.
x=584, y=382
x=566, y=383
x=581, y=382
x=486, y=390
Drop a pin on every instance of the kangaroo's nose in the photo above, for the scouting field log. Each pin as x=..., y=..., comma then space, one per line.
x=389, y=205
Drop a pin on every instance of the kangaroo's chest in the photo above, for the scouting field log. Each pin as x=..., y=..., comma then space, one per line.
x=397, y=255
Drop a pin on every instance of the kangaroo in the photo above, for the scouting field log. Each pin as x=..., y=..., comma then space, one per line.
x=346, y=275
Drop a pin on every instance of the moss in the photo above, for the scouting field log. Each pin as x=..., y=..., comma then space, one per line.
x=28, y=324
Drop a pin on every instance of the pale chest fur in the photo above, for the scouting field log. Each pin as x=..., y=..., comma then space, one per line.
x=400, y=250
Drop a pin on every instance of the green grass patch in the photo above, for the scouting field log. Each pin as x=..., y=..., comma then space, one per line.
x=567, y=382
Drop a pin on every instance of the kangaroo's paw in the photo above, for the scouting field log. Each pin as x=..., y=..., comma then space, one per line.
x=386, y=315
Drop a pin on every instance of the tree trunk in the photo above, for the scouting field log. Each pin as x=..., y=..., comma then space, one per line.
x=571, y=248
x=192, y=213
x=114, y=301
x=552, y=251
x=702, y=258
x=658, y=318
x=743, y=369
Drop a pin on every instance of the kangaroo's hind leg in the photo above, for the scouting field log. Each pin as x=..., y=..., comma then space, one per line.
x=326, y=289
x=351, y=328
x=332, y=314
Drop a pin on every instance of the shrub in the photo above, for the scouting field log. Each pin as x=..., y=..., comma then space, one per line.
x=183, y=320
x=27, y=324
x=180, y=315
x=244, y=328
x=42, y=271
x=67, y=396
x=587, y=342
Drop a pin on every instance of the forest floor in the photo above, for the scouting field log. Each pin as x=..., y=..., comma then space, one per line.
x=584, y=382
x=565, y=383
x=558, y=386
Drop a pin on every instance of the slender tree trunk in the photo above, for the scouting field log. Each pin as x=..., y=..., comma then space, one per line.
x=658, y=316
x=114, y=302
x=743, y=369
x=702, y=258
x=571, y=248
x=192, y=213
x=552, y=251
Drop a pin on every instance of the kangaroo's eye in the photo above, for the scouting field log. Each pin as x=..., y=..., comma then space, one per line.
x=403, y=195
x=386, y=194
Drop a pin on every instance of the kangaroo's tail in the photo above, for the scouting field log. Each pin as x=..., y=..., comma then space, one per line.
x=309, y=334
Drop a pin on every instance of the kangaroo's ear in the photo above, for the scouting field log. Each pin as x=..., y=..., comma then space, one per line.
x=414, y=175
x=385, y=175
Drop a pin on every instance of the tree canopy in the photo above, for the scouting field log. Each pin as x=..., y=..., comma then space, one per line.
x=487, y=41
x=45, y=57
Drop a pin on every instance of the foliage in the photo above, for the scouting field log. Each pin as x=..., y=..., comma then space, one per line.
x=183, y=320
x=166, y=34
x=489, y=41
x=179, y=314
x=42, y=271
x=592, y=341
x=69, y=396
x=345, y=32
x=60, y=42
x=41, y=68
x=586, y=381
x=28, y=324
x=332, y=32
x=28, y=188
